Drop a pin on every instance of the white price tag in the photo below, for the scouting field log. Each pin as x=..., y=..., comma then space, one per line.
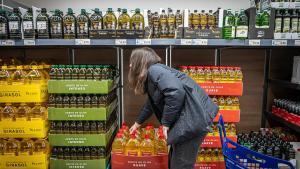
x=297, y=5
x=82, y=42
x=254, y=42
x=297, y=42
x=8, y=43
x=200, y=42
x=143, y=41
x=186, y=41
x=121, y=42
x=28, y=42
x=279, y=42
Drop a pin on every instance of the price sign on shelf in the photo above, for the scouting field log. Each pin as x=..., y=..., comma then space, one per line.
x=8, y=43
x=203, y=42
x=143, y=41
x=121, y=42
x=186, y=42
x=297, y=42
x=82, y=41
x=254, y=42
x=279, y=42
x=28, y=42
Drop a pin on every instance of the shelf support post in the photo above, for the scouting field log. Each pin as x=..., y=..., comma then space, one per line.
x=268, y=53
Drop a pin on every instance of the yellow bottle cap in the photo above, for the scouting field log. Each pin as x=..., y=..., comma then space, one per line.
x=34, y=67
x=19, y=67
x=4, y=67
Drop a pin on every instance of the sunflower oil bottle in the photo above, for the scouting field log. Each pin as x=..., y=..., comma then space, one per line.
x=147, y=146
x=211, y=21
x=56, y=25
x=118, y=145
x=14, y=24
x=69, y=22
x=19, y=76
x=203, y=20
x=82, y=25
x=195, y=20
x=124, y=20
x=132, y=147
x=40, y=146
x=171, y=23
x=109, y=20
x=161, y=145
x=38, y=112
x=35, y=75
x=28, y=28
x=96, y=23
x=4, y=75
x=3, y=25
x=42, y=25
x=11, y=147
x=25, y=147
x=23, y=112
x=137, y=20
x=8, y=112
x=163, y=22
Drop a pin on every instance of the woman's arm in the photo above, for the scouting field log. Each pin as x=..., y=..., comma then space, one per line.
x=145, y=113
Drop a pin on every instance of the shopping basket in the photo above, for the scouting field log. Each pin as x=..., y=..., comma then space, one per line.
x=241, y=157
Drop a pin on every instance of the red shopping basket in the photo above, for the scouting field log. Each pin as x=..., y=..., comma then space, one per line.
x=241, y=157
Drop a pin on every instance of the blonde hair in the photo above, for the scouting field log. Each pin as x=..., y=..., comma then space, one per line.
x=140, y=60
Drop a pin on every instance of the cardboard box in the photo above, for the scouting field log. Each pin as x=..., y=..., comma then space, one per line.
x=82, y=139
x=223, y=89
x=24, y=162
x=229, y=116
x=215, y=142
x=81, y=86
x=83, y=164
x=99, y=114
x=210, y=165
x=24, y=93
x=23, y=129
x=127, y=162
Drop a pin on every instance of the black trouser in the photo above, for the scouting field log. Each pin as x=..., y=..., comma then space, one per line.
x=184, y=155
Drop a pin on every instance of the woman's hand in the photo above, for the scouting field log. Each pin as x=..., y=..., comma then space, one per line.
x=134, y=127
x=165, y=131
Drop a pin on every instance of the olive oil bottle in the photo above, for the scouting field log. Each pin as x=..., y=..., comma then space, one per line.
x=203, y=20
x=56, y=25
x=211, y=20
x=163, y=24
x=28, y=28
x=3, y=25
x=156, y=25
x=42, y=25
x=124, y=20
x=137, y=20
x=83, y=25
x=109, y=20
x=171, y=24
x=196, y=20
x=149, y=14
x=178, y=19
x=14, y=24
x=69, y=22
x=96, y=23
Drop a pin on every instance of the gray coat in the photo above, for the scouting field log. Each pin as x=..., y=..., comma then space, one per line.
x=171, y=94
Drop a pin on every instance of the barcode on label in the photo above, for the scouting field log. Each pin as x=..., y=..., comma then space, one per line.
x=297, y=42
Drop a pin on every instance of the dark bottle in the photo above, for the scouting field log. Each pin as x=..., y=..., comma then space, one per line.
x=278, y=22
x=60, y=153
x=96, y=24
x=87, y=101
x=98, y=72
x=94, y=154
x=3, y=25
x=269, y=151
x=290, y=153
x=277, y=152
x=53, y=72
x=59, y=101
x=87, y=153
x=67, y=153
x=80, y=101
x=75, y=72
x=51, y=100
x=52, y=127
x=59, y=127
x=68, y=72
x=89, y=72
x=100, y=127
x=60, y=72
x=66, y=127
x=79, y=127
x=94, y=101
x=80, y=153
x=101, y=152
x=102, y=101
x=73, y=153
x=56, y=25
x=73, y=127
x=286, y=22
x=294, y=22
x=14, y=24
x=178, y=19
x=83, y=25
x=86, y=127
x=69, y=22
x=73, y=101
x=93, y=127
x=66, y=101
x=82, y=72
x=156, y=25
x=54, y=152
x=28, y=28
x=42, y=25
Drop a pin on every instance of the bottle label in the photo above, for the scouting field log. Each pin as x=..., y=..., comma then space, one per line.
x=146, y=154
x=242, y=31
x=41, y=25
x=294, y=25
x=278, y=25
x=137, y=25
x=96, y=25
x=82, y=27
x=69, y=27
x=56, y=28
x=286, y=25
x=125, y=25
x=110, y=25
x=27, y=25
x=3, y=29
x=233, y=32
x=132, y=153
x=13, y=25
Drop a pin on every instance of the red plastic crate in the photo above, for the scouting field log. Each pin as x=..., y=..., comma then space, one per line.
x=223, y=89
x=128, y=162
x=229, y=116
x=210, y=165
x=215, y=142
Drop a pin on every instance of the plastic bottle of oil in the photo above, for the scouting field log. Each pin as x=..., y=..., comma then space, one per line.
x=230, y=74
x=109, y=20
x=223, y=74
x=42, y=25
x=124, y=20
x=216, y=75
x=14, y=24
x=82, y=25
x=22, y=112
x=96, y=23
x=161, y=145
x=222, y=102
x=178, y=19
x=2, y=145
x=195, y=20
x=8, y=113
x=147, y=146
x=149, y=130
x=163, y=24
x=56, y=25
x=26, y=147
x=41, y=146
x=11, y=147
x=137, y=20
x=69, y=22
x=201, y=155
x=208, y=73
x=156, y=25
x=132, y=147
x=203, y=20
x=171, y=24
x=19, y=76
x=118, y=145
x=236, y=103
x=215, y=155
x=4, y=75
x=238, y=74
x=75, y=72
x=28, y=29
x=38, y=112
x=228, y=103
x=3, y=25
x=34, y=75
x=211, y=20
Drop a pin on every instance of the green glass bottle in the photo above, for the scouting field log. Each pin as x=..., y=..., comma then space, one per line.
x=258, y=20
x=278, y=22
x=14, y=24
x=286, y=22
x=28, y=28
x=265, y=19
x=69, y=25
x=124, y=20
x=3, y=25
x=294, y=22
x=56, y=25
x=42, y=25
x=83, y=25
x=96, y=23
x=137, y=20
x=242, y=26
x=229, y=26
x=109, y=20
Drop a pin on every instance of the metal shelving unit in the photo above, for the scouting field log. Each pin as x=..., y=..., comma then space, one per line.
x=283, y=122
x=285, y=84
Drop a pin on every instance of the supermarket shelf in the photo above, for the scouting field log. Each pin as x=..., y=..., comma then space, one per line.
x=283, y=122
x=284, y=83
x=152, y=42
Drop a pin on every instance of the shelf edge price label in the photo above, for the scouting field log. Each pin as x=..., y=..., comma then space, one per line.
x=186, y=42
x=254, y=42
x=121, y=42
x=202, y=42
x=82, y=42
x=297, y=42
x=143, y=41
x=279, y=42
x=29, y=42
x=8, y=43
